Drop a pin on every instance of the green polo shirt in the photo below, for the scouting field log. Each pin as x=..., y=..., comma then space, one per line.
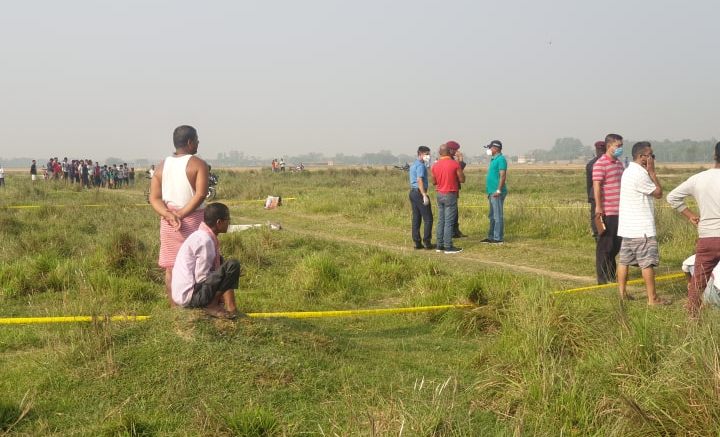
x=492, y=180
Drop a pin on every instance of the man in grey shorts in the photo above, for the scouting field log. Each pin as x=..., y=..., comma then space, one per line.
x=636, y=223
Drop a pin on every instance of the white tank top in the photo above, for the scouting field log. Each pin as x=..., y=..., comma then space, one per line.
x=176, y=189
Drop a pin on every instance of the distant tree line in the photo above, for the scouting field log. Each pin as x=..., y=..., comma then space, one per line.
x=564, y=149
x=567, y=149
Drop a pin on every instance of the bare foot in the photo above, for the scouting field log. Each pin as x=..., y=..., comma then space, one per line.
x=216, y=311
x=660, y=301
x=627, y=297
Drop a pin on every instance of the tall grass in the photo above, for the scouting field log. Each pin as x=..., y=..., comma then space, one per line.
x=522, y=362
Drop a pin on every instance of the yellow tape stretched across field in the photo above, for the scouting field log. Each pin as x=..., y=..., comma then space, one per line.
x=614, y=284
x=287, y=315
x=310, y=314
x=100, y=205
x=68, y=319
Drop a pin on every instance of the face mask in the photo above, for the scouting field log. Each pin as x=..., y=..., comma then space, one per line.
x=618, y=152
x=426, y=159
x=488, y=152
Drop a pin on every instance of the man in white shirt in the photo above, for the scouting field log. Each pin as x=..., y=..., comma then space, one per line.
x=200, y=279
x=2, y=176
x=704, y=188
x=636, y=222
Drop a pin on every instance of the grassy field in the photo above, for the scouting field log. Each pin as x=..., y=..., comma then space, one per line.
x=523, y=362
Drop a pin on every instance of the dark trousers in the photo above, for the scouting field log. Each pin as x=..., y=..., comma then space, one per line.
x=225, y=278
x=592, y=220
x=420, y=213
x=607, y=248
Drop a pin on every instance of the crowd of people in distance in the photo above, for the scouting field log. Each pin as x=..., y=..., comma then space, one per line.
x=85, y=173
x=278, y=166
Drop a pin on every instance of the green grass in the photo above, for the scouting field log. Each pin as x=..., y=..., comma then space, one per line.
x=521, y=363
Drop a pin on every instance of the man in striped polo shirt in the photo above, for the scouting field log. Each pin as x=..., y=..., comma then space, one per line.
x=606, y=175
x=639, y=185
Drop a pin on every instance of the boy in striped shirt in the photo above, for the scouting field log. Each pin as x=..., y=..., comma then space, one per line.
x=606, y=176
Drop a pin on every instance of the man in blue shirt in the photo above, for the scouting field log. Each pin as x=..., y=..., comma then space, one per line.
x=419, y=200
x=496, y=191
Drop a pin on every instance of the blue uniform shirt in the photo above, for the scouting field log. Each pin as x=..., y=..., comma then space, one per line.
x=418, y=170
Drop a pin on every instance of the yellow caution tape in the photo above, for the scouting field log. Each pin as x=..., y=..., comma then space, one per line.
x=99, y=205
x=288, y=315
x=68, y=319
x=310, y=314
x=614, y=284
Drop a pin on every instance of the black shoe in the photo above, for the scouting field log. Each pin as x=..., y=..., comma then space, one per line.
x=498, y=242
x=486, y=240
x=429, y=246
x=453, y=250
x=418, y=246
x=459, y=234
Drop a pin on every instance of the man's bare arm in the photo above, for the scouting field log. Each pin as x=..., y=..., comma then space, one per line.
x=598, y=198
x=157, y=202
x=198, y=175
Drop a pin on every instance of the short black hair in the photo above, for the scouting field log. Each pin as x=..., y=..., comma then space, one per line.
x=613, y=138
x=639, y=147
x=214, y=212
x=183, y=134
x=423, y=149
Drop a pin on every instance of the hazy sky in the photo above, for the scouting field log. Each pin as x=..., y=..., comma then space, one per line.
x=99, y=78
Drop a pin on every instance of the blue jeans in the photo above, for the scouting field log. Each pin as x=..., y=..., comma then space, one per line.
x=497, y=223
x=447, y=213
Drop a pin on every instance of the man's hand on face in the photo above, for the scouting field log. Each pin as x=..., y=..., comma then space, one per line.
x=459, y=156
x=650, y=164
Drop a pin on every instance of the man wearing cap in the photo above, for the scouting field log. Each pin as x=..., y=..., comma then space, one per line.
x=456, y=154
x=446, y=176
x=496, y=189
x=606, y=175
x=599, y=151
x=419, y=200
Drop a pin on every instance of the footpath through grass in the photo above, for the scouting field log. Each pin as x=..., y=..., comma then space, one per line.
x=521, y=363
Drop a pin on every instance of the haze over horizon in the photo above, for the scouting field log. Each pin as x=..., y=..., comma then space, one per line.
x=83, y=78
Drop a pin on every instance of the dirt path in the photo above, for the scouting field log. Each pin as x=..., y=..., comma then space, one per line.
x=464, y=257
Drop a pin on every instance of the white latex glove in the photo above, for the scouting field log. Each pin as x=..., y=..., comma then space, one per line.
x=426, y=199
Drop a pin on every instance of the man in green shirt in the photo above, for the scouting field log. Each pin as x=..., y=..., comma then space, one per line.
x=496, y=191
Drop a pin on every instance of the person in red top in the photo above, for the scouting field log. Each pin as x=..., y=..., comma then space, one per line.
x=446, y=176
x=606, y=175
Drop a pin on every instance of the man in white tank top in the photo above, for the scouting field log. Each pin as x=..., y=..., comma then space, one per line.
x=177, y=192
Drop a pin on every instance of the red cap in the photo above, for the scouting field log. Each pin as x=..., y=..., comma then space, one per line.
x=452, y=145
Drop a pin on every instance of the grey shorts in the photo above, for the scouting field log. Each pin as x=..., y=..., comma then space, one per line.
x=641, y=252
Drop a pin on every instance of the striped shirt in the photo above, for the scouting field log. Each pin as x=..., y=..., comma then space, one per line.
x=637, y=206
x=609, y=171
